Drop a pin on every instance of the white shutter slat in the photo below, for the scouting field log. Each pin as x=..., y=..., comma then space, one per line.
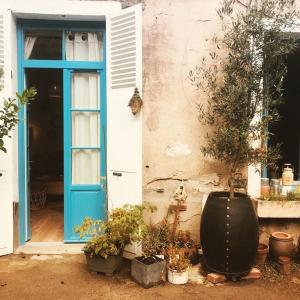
x=124, y=131
x=123, y=47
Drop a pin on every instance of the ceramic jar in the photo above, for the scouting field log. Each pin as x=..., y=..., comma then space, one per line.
x=284, y=265
x=178, y=277
x=265, y=187
x=281, y=244
x=261, y=254
x=287, y=174
x=274, y=187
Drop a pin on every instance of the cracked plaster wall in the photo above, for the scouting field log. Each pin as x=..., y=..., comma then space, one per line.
x=175, y=38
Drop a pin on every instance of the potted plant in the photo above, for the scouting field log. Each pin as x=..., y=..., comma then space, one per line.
x=243, y=85
x=107, y=239
x=178, y=266
x=185, y=244
x=261, y=254
x=150, y=268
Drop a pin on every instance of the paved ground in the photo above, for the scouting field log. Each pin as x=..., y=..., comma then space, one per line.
x=67, y=277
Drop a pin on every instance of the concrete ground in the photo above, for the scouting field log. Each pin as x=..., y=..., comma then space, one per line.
x=67, y=277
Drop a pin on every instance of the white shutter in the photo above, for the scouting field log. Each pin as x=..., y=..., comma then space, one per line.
x=124, y=131
x=6, y=159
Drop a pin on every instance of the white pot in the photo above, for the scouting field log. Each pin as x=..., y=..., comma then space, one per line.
x=178, y=278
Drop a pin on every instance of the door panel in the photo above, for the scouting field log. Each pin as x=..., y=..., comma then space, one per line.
x=84, y=154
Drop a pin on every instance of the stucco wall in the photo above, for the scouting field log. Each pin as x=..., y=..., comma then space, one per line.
x=175, y=37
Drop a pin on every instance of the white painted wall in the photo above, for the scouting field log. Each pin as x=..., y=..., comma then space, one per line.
x=9, y=179
x=79, y=11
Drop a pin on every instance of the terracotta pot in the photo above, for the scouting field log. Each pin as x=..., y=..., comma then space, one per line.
x=261, y=254
x=281, y=244
x=298, y=246
x=284, y=265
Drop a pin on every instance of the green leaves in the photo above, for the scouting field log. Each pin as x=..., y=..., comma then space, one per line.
x=9, y=113
x=124, y=225
x=242, y=79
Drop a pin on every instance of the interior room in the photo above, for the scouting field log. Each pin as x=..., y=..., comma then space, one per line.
x=45, y=147
x=287, y=130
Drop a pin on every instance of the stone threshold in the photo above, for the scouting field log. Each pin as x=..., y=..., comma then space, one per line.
x=56, y=248
x=49, y=248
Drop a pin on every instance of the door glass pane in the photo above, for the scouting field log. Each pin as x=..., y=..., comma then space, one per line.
x=43, y=44
x=84, y=46
x=85, y=166
x=85, y=129
x=85, y=91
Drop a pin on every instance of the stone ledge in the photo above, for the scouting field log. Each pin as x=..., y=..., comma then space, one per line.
x=277, y=209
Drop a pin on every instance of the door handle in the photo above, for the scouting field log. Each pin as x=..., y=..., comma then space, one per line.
x=117, y=174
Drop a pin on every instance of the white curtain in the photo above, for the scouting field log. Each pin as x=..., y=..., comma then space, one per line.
x=85, y=128
x=85, y=95
x=28, y=46
x=84, y=46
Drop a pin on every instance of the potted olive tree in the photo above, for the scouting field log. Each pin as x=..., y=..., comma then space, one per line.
x=242, y=83
x=106, y=240
x=149, y=269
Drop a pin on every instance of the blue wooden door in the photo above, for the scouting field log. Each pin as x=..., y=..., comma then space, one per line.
x=84, y=148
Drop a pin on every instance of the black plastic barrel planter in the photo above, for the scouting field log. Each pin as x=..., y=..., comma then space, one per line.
x=229, y=233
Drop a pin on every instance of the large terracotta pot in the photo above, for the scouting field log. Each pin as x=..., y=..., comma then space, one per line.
x=229, y=233
x=281, y=244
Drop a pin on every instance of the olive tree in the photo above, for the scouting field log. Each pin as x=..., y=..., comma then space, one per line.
x=242, y=80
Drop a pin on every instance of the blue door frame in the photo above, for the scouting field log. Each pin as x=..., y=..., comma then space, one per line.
x=79, y=191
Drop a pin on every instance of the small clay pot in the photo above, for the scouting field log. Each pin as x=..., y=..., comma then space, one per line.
x=261, y=254
x=284, y=265
x=281, y=244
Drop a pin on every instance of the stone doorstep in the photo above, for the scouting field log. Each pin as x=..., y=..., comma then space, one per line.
x=218, y=278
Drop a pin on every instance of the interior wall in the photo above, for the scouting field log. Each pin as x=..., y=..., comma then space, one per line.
x=46, y=124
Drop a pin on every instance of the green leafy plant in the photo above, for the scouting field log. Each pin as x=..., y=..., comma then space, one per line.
x=9, y=113
x=156, y=239
x=124, y=226
x=242, y=80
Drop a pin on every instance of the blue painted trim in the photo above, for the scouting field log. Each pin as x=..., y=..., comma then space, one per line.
x=84, y=187
x=62, y=64
x=67, y=67
x=103, y=107
x=67, y=137
x=21, y=145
